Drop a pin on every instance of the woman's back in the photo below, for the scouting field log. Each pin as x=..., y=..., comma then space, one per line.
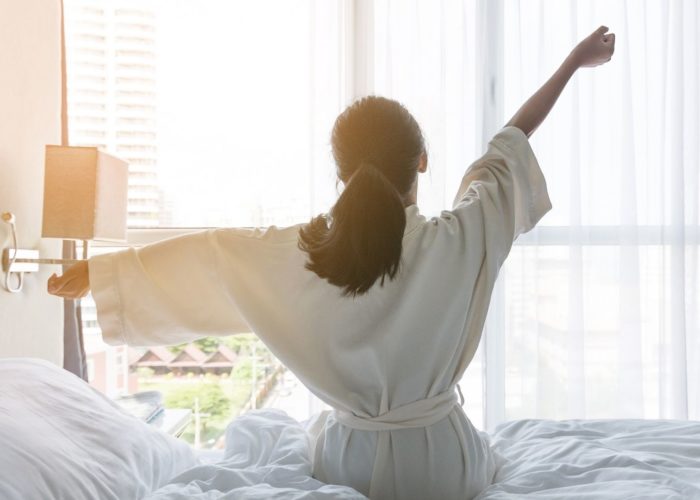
x=388, y=360
x=400, y=343
x=378, y=311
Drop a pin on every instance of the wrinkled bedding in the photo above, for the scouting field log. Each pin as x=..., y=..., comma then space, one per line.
x=61, y=439
x=597, y=459
x=266, y=457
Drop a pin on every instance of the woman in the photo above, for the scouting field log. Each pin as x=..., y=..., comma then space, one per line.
x=377, y=309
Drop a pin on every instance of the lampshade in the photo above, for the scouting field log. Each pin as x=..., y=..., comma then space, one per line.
x=85, y=194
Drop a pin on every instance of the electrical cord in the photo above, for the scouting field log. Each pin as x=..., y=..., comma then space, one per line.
x=9, y=218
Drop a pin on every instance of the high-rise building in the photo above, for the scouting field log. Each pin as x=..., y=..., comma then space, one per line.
x=112, y=102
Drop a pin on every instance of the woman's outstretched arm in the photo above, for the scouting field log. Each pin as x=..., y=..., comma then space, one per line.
x=594, y=50
x=169, y=292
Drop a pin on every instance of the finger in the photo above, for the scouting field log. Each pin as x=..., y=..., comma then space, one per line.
x=65, y=294
x=55, y=289
x=58, y=292
x=52, y=283
x=68, y=283
x=56, y=284
x=70, y=292
x=611, y=44
x=602, y=30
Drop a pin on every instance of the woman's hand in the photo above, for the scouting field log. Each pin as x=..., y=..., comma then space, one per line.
x=594, y=50
x=597, y=49
x=74, y=284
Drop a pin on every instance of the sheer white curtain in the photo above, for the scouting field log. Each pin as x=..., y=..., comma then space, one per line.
x=596, y=312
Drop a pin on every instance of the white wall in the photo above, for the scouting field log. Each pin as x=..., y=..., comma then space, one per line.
x=31, y=322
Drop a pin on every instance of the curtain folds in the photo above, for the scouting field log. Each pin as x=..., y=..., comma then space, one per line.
x=596, y=312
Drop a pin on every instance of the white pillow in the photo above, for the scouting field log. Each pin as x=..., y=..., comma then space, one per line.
x=60, y=438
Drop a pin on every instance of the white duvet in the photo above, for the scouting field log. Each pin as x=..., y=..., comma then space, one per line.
x=597, y=459
x=61, y=439
x=267, y=457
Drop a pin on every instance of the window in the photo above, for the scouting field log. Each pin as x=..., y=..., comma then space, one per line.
x=194, y=117
x=598, y=298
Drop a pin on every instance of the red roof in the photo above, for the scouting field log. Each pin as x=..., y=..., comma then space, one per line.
x=223, y=357
x=155, y=356
x=190, y=356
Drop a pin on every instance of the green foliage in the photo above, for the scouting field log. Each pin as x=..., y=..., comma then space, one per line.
x=212, y=399
x=176, y=349
x=220, y=397
x=238, y=343
x=208, y=344
x=243, y=371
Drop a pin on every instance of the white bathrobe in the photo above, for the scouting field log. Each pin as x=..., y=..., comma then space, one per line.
x=387, y=361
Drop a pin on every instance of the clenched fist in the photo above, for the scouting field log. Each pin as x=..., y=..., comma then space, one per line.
x=73, y=284
x=596, y=49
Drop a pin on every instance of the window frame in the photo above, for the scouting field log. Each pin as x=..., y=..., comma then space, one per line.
x=357, y=53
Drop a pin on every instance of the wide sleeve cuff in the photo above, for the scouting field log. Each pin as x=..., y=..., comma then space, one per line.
x=531, y=199
x=105, y=292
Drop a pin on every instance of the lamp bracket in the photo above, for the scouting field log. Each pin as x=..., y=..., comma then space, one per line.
x=28, y=261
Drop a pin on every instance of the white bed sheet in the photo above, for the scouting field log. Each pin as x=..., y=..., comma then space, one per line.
x=596, y=459
x=267, y=457
x=61, y=439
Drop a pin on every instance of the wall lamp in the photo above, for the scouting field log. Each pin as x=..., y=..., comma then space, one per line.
x=85, y=196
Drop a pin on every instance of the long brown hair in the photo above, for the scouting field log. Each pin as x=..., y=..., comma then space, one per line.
x=377, y=147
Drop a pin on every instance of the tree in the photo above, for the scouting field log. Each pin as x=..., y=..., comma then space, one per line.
x=208, y=344
x=212, y=399
x=243, y=371
x=238, y=343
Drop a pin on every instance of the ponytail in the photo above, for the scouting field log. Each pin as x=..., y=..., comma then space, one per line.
x=363, y=241
x=377, y=147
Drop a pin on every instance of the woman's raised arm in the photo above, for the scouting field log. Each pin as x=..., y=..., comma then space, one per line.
x=594, y=50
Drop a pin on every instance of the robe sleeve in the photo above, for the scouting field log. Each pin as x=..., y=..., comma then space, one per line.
x=165, y=293
x=504, y=192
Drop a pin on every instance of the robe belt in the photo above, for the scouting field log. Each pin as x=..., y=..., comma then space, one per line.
x=421, y=413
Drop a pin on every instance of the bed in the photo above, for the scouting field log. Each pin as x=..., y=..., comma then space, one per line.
x=61, y=439
x=596, y=459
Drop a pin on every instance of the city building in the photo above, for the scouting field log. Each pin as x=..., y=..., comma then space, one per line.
x=112, y=100
x=112, y=104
